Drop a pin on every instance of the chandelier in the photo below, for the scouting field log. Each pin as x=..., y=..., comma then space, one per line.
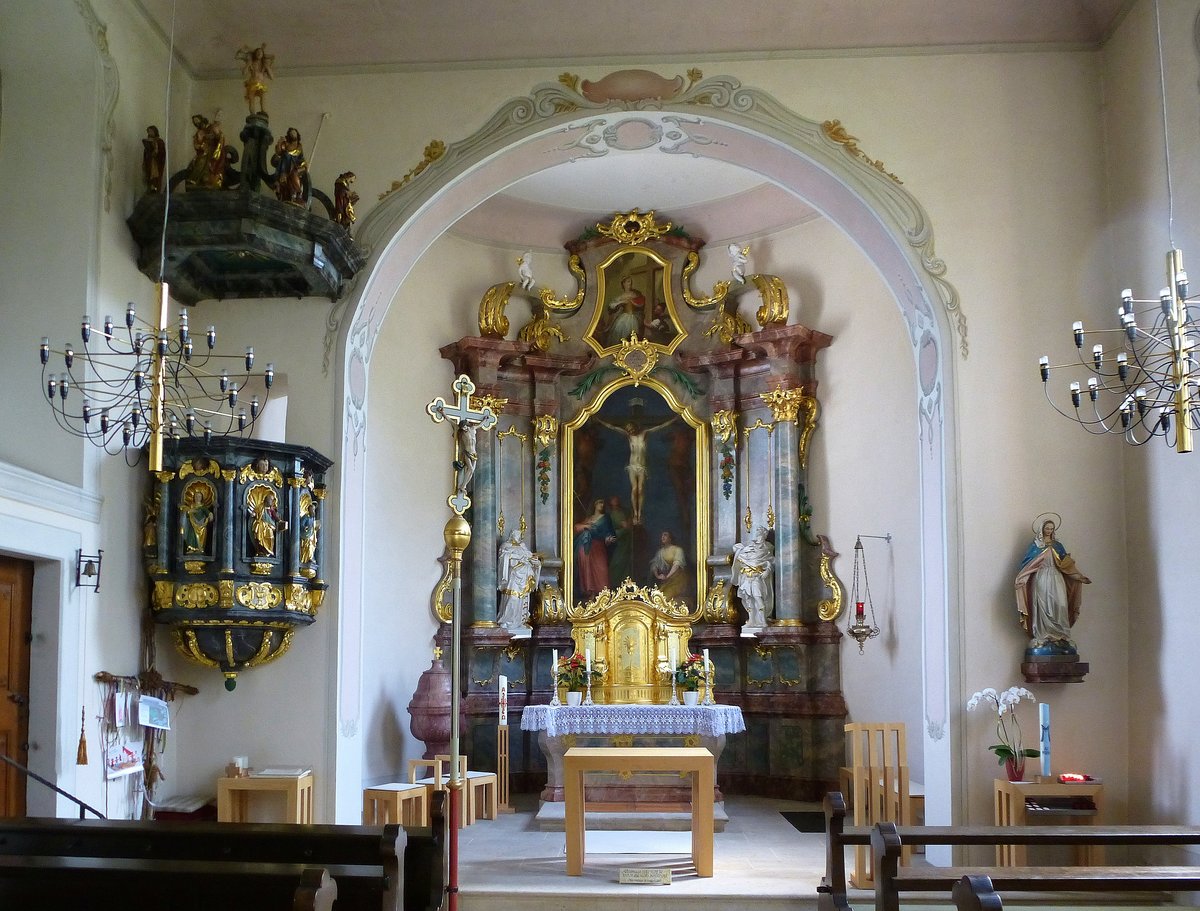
x=145, y=384
x=1146, y=386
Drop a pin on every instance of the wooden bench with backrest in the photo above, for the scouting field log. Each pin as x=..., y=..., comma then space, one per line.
x=832, y=891
x=891, y=879
x=978, y=892
x=374, y=867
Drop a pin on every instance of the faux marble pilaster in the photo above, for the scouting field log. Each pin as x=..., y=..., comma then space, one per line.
x=483, y=547
x=788, y=563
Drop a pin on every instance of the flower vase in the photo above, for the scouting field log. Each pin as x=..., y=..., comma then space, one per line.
x=691, y=697
x=574, y=697
x=1014, y=767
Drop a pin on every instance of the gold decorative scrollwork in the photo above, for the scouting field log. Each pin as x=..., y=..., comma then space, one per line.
x=774, y=308
x=784, y=403
x=793, y=405
x=164, y=477
x=258, y=595
x=225, y=593
x=835, y=132
x=724, y=425
x=265, y=655
x=539, y=331
x=164, y=595
x=552, y=609
x=197, y=595
x=727, y=323
x=830, y=608
x=633, y=227
x=261, y=569
x=574, y=264
x=492, y=321
x=545, y=429
x=720, y=289
x=717, y=606
x=317, y=596
x=494, y=402
x=200, y=465
x=636, y=357
x=189, y=647
x=631, y=591
x=297, y=598
x=621, y=740
x=195, y=567
x=439, y=601
x=435, y=150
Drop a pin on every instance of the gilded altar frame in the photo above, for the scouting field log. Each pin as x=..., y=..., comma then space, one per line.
x=699, y=536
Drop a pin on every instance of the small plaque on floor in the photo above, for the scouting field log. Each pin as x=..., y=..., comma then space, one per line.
x=641, y=876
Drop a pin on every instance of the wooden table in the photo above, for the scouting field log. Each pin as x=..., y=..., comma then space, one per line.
x=1010, y=798
x=233, y=797
x=694, y=761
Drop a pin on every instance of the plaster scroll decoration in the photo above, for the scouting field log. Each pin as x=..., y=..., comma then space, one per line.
x=110, y=91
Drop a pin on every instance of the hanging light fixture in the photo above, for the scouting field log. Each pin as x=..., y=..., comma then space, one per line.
x=147, y=383
x=860, y=593
x=1148, y=387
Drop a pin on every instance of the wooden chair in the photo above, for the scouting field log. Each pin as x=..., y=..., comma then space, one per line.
x=397, y=802
x=877, y=780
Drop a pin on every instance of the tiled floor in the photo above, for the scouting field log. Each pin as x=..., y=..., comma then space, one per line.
x=760, y=861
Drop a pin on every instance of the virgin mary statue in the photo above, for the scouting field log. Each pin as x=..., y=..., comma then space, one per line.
x=1049, y=591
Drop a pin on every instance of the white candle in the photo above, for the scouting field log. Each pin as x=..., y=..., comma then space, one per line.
x=554, y=666
x=706, y=661
x=674, y=653
x=1044, y=721
x=587, y=661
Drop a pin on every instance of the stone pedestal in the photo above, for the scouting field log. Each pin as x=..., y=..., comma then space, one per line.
x=1054, y=668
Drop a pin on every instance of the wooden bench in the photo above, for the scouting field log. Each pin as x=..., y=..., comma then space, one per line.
x=891, y=879
x=832, y=892
x=978, y=892
x=364, y=861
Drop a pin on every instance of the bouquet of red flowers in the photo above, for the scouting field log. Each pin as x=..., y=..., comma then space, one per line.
x=572, y=672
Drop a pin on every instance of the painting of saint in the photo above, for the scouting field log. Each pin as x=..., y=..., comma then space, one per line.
x=633, y=496
x=634, y=301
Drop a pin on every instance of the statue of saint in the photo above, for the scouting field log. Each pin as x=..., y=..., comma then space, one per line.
x=256, y=70
x=290, y=168
x=265, y=524
x=753, y=572
x=197, y=517
x=1049, y=591
x=519, y=572
x=154, y=160
x=344, y=199
x=207, y=169
x=309, y=527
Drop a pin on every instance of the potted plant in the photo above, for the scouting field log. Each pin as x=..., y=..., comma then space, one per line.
x=689, y=674
x=1009, y=751
x=572, y=673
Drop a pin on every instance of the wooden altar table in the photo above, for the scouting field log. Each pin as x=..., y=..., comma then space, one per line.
x=561, y=727
x=693, y=761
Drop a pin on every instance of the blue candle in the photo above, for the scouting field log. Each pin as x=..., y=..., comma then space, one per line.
x=1044, y=721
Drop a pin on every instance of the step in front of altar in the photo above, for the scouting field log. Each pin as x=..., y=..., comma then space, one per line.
x=653, y=815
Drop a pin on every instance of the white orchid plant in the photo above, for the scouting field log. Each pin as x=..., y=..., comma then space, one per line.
x=1008, y=727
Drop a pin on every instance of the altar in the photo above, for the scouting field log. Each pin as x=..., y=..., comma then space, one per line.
x=561, y=727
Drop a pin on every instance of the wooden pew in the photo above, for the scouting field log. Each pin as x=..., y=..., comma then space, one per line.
x=119, y=883
x=364, y=860
x=832, y=890
x=891, y=879
x=978, y=892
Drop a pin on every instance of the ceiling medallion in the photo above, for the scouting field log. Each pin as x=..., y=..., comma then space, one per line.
x=636, y=357
x=633, y=227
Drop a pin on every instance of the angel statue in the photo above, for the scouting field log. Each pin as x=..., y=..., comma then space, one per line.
x=737, y=262
x=1049, y=590
x=525, y=269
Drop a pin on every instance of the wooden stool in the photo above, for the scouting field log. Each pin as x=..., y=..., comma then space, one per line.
x=439, y=781
x=481, y=791
x=406, y=804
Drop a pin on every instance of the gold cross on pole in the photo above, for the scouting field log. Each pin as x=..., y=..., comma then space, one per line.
x=466, y=423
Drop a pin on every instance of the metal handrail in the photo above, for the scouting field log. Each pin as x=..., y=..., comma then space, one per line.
x=29, y=773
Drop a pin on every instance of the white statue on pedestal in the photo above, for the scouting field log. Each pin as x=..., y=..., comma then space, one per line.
x=753, y=577
x=519, y=571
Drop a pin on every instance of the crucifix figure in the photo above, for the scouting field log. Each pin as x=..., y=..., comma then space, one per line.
x=466, y=424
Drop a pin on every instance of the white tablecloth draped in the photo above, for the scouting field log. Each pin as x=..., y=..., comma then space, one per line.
x=704, y=720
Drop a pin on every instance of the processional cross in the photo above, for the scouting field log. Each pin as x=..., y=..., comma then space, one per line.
x=466, y=423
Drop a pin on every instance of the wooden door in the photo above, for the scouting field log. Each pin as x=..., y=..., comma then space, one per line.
x=16, y=614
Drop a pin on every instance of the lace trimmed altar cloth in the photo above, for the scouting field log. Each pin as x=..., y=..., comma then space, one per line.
x=703, y=720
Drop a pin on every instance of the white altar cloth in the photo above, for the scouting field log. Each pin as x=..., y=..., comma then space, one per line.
x=702, y=720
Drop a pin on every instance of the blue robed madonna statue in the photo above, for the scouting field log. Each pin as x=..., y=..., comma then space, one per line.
x=1049, y=590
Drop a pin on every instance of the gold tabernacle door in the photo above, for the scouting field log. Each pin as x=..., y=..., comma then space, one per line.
x=632, y=633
